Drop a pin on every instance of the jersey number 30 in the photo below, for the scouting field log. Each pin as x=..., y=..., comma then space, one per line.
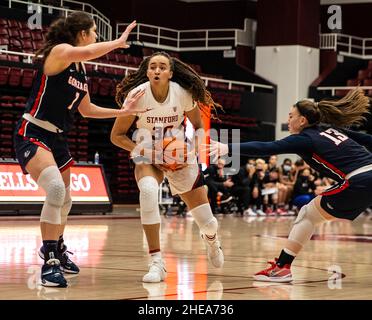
x=334, y=135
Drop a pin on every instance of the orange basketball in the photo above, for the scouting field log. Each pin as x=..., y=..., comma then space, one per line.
x=174, y=152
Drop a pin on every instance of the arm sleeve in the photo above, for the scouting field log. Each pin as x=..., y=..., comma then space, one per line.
x=361, y=138
x=292, y=144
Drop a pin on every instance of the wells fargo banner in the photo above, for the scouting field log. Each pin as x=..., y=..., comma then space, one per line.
x=87, y=185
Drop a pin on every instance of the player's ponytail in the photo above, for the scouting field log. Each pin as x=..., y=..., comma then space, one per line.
x=64, y=30
x=344, y=112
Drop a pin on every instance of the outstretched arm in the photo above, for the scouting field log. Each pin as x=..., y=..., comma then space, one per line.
x=292, y=144
x=90, y=110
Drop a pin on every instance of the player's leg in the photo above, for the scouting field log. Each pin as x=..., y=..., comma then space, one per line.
x=67, y=265
x=44, y=171
x=198, y=204
x=148, y=179
x=308, y=218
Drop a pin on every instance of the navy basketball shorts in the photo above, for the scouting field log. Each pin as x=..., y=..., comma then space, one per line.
x=34, y=137
x=349, y=199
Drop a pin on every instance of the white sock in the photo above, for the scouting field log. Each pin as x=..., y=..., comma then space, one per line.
x=156, y=256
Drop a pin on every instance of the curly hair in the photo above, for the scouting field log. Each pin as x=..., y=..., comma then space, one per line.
x=183, y=74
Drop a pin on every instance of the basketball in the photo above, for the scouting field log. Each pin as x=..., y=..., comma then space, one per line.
x=174, y=152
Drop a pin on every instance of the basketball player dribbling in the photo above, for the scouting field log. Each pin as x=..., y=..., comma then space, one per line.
x=171, y=89
x=40, y=138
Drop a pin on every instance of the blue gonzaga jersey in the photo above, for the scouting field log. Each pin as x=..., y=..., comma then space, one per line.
x=332, y=152
x=56, y=98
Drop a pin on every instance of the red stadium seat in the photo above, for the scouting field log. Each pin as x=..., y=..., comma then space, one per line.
x=25, y=34
x=4, y=42
x=341, y=93
x=37, y=45
x=28, y=77
x=4, y=32
x=4, y=75
x=13, y=24
x=105, y=86
x=363, y=74
x=19, y=101
x=13, y=33
x=352, y=82
x=36, y=35
x=15, y=76
x=3, y=22
x=27, y=46
x=14, y=58
x=15, y=44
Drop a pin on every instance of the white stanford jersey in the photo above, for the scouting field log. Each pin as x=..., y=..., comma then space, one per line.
x=164, y=116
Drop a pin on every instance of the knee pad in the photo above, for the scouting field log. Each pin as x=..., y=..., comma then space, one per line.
x=67, y=204
x=149, y=189
x=51, y=181
x=204, y=219
x=304, y=225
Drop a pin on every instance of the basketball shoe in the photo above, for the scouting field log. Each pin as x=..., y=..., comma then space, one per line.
x=66, y=264
x=215, y=253
x=157, y=272
x=51, y=275
x=274, y=273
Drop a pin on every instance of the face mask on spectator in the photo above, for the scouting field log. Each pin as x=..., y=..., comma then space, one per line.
x=287, y=168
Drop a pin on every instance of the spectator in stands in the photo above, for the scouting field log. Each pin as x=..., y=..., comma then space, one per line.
x=219, y=185
x=257, y=186
x=242, y=186
x=270, y=190
x=304, y=188
x=287, y=179
x=335, y=152
x=174, y=90
x=41, y=135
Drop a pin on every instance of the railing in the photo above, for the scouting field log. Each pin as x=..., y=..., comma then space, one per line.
x=28, y=59
x=190, y=40
x=347, y=45
x=333, y=89
x=104, y=29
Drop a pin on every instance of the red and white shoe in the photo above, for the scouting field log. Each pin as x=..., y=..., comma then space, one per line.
x=274, y=273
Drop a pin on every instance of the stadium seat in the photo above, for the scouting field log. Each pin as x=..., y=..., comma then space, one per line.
x=105, y=86
x=28, y=77
x=15, y=45
x=352, y=82
x=4, y=75
x=15, y=76
x=27, y=46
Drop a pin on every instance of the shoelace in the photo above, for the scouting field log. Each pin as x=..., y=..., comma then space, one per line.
x=53, y=262
x=65, y=255
x=272, y=267
x=158, y=265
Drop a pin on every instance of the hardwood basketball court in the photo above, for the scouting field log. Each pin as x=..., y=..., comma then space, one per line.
x=111, y=251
